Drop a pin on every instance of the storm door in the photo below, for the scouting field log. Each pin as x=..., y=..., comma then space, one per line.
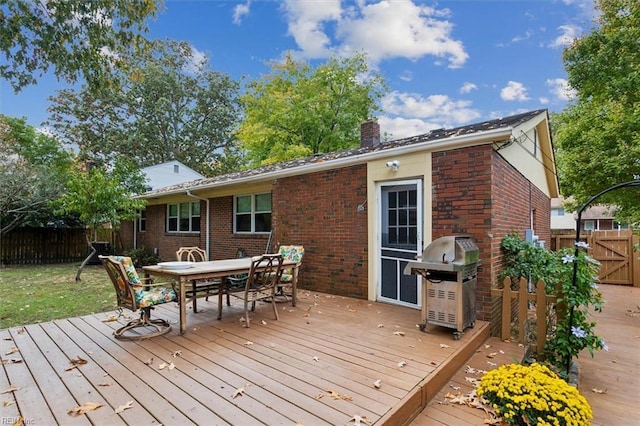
x=400, y=240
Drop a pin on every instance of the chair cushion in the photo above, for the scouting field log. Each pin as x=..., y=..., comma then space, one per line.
x=155, y=296
x=132, y=275
x=145, y=298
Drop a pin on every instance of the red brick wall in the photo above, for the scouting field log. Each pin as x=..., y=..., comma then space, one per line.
x=462, y=205
x=514, y=197
x=320, y=211
x=477, y=192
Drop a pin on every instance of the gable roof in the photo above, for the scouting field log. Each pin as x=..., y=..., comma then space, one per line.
x=486, y=132
x=169, y=173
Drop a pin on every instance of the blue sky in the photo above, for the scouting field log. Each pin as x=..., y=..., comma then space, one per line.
x=446, y=63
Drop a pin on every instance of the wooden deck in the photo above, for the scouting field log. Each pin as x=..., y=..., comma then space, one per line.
x=318, y=365
x=615, y=373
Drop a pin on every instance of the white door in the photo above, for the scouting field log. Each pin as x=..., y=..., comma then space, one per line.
x=399, y=240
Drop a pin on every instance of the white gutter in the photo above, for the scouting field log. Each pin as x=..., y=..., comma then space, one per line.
x=207, y=238
x=453, y=142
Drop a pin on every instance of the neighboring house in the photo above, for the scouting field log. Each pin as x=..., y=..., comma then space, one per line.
x=362, y=213
x=595, y=218
x=169, y=173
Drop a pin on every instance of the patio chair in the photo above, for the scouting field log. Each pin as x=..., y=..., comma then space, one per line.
x=199, y=288
x=289, y=277
x=261, y=283
x=135, y=293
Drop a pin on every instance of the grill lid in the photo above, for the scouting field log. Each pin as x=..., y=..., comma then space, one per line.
x=448, y=253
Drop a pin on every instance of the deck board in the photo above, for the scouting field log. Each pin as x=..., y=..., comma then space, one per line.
x=288, y=369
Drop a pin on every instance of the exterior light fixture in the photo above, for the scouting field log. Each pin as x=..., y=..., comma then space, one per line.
x=393, y=165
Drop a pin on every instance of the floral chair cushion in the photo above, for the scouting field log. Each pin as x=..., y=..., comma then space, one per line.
x=144, y=297
x=294, y=253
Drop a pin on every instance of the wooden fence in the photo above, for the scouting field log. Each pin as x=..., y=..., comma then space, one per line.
x=516, y=306
x=29, y=246
x=619, y=261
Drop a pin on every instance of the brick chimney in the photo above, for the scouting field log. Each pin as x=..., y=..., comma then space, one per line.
x=369, y=134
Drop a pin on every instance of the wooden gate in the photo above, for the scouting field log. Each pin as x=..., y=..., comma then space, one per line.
x=614, y=250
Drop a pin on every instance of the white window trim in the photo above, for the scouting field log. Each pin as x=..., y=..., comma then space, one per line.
x=253, y=213
x=142, y=218
x=191, y=216
x=592, y=222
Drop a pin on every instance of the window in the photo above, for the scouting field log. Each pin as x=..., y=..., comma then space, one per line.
x=620, y=226
x=142, y=220
x=557, y=211
x=183, y=217
x=589, y=225
x=252, y=213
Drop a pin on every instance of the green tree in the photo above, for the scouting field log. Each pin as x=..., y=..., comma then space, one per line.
x=171, y=107
x=76, y=38
x=33, y=170
x=598, y=135
x=298, y=110
x=102, y=196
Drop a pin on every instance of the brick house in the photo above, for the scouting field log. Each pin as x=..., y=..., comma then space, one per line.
x=361, y=213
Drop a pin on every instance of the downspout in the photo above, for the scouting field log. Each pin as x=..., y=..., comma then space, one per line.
x=206, y=238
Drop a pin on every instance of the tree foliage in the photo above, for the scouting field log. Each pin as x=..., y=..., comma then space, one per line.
x=171, y=107
x=102, y=196
x=298, y=110
x=598, y=135
x=76, y=38
x=33, y=170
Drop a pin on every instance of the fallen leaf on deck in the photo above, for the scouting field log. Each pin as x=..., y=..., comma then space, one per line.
x=493, y=364
x=471, y=380
x=377, y=384
x=456, y=388
x=171, y=366
x=162, y=366
x=11, y=389
x=149, y=361
x=84, y=408
x=599, y=390
x=248, y=343
x=11, y=351
x=402, y=364
x=176, y=354
x=333, y=394
x=316, y=359
x=470, y=370
x=110, y=319
x=487, y=346
x=399, y=333
x=263, y=322
x=359, y=420
x=126, y=406
x=442, y=345
x=492, y=355
x=346, y=398
x=380, y=325
x=15, y=360
x=238, y=392
x=105, y=384
x=320, y=395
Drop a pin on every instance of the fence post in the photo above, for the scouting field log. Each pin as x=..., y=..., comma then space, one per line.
x=523, y=308
x=541, y=317
x=506, y=309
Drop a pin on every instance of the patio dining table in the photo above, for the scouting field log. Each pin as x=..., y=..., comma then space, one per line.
x=185, y=272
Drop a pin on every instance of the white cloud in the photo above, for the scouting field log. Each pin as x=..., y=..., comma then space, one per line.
x=398, y=127
x=197, y=61
x=543, y=100
x=560, y=89
x=306, y=25
x=406, y=75
x=385, y=30
x=435, y=111
x=527, y=35
x=514, y=91
x=568, y=34
x=239, y=11
x=468, y=87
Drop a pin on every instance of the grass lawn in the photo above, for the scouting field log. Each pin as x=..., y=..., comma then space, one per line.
x=39, y=293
